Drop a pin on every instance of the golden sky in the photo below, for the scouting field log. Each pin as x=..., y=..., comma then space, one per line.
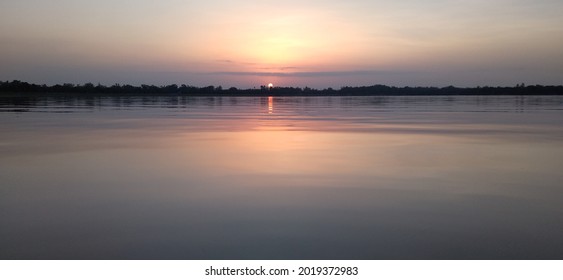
x=289, y=43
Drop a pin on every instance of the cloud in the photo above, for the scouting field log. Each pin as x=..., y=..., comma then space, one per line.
x=230, y=61
x=283, y=68
x=306, y=73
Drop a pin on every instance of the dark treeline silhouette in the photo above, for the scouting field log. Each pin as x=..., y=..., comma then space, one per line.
x=18, y=87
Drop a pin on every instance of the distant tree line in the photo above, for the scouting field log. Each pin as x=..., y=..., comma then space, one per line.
x=117, y=89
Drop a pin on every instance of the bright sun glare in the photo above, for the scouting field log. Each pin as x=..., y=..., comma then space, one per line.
x=270, y=85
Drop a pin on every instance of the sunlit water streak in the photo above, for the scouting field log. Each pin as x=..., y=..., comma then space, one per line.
x=281, y=177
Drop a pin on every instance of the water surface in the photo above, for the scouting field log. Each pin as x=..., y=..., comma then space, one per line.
x=464, y=177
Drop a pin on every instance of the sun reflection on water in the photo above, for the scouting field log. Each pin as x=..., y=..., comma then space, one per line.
x=270, y=104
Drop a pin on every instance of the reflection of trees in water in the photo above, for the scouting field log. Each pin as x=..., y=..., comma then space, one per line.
x=307, y=105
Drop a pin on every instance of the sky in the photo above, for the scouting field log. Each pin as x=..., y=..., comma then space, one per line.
x=246, y=43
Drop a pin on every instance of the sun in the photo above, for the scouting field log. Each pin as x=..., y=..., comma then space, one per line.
x=270, y=85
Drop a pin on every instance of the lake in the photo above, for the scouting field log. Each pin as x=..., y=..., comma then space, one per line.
x=176, y=177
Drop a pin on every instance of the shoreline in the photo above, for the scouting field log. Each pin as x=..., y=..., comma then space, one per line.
x=18, y=88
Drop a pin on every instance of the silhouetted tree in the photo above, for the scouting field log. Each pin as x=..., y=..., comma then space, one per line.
x=17, y=86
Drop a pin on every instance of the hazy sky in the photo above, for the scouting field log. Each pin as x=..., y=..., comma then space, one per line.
x=328, y=43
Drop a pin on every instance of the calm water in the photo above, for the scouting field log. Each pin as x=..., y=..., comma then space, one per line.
x=281, y=178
